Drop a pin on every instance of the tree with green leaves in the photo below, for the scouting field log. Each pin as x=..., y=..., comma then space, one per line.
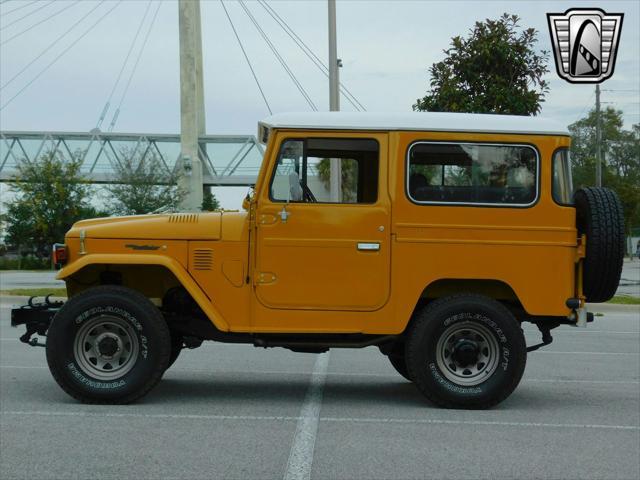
x=50, y=196
x=621, y=165
x=143, y=184
x=495, y=69
x=209, y=201
x=349, y=174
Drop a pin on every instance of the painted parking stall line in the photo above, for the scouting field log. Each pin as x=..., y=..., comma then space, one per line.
x=299, y=465
x=304, y=440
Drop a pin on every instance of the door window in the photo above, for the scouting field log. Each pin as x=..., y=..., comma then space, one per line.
x=326, y=170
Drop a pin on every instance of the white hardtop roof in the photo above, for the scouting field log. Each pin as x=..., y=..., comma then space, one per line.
x=417, y=121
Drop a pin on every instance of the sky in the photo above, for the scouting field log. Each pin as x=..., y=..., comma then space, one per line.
x=386, y=48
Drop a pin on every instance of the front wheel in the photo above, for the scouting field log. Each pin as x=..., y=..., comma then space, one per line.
x=108, y=345
x=466, y=351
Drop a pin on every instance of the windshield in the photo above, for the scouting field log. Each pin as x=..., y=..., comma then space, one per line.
x=562, y=179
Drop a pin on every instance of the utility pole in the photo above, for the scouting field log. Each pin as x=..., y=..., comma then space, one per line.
x=335, y=178
x=191, y=105
x=598, y=139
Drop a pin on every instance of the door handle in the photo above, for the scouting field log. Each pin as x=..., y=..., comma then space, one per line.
x=284, y=215
x=368, y=246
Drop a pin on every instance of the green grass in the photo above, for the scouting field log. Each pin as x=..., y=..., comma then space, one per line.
x=625, y=300
x=39, y=292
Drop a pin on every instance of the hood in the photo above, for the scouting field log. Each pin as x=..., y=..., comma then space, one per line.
x=175, y=226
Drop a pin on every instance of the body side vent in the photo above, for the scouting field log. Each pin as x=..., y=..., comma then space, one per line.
x=202, y=259
x=183, y=218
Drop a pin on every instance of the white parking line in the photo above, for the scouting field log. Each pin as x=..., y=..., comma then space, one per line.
x=427, y=421
x=304, y=440
x=372, y=420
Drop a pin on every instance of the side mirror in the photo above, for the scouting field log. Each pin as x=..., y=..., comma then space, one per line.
x=246, y=203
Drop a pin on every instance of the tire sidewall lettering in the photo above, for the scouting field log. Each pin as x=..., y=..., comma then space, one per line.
x=77, y=374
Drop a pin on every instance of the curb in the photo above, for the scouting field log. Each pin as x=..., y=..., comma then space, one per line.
x=611, y=307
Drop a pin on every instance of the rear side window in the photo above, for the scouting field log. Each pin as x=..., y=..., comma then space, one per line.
x=562, y=188
x=472, y=173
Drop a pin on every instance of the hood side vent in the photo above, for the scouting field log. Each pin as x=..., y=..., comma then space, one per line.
x=183, y=218
x=202, y=259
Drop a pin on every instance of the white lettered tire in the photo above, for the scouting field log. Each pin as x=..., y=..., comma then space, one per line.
x=109, y=344
x=465, y=351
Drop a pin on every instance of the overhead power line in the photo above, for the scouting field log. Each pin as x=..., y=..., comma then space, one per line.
x=107, y=104
x=310, y=53
x=135, y=66
x=281, y=60
x=74, y=43
x=246, y=57
x=40, y=22
x=39, y=9
x=19, y=8
x=52, y=44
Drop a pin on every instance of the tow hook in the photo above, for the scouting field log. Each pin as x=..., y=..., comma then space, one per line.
x=545, y=330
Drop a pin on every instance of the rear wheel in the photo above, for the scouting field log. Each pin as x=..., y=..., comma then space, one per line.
x=108, y=345
x=466, y=351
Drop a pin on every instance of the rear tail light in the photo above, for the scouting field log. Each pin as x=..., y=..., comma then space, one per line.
x=59, y=255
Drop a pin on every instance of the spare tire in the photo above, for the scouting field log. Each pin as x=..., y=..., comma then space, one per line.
x=599, y=216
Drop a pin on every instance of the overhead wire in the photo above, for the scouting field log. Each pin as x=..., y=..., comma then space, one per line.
x=351, y=98
x=69, y=47
x=246, y=57
x=20, y=7
x=39, y=9
x=40, y=22
x=135, y=66
x=52, y=44
x=105, y=110
x=281, y=60
x=585, y=107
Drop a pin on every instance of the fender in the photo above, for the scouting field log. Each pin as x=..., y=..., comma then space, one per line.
x=171, y=264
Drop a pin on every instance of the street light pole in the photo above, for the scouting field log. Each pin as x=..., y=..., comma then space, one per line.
x=335, y=179
x=190, y=173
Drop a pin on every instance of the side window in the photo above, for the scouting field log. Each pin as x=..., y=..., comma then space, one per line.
x=469, y=173
x=326, y=170
x=562, y=188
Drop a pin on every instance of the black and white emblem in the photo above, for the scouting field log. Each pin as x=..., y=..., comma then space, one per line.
x=585, y=42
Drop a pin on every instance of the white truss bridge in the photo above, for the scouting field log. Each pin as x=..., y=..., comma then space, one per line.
x=229, y=160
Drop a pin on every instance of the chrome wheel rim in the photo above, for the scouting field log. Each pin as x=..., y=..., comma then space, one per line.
x=106, y=347
x=467, y=353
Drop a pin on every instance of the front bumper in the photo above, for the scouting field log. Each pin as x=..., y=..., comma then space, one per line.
x=36, y=317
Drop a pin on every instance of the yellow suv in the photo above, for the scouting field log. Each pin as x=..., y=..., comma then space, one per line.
x=432, y=236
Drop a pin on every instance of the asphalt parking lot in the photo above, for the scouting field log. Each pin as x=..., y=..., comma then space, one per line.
x=228, y=411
